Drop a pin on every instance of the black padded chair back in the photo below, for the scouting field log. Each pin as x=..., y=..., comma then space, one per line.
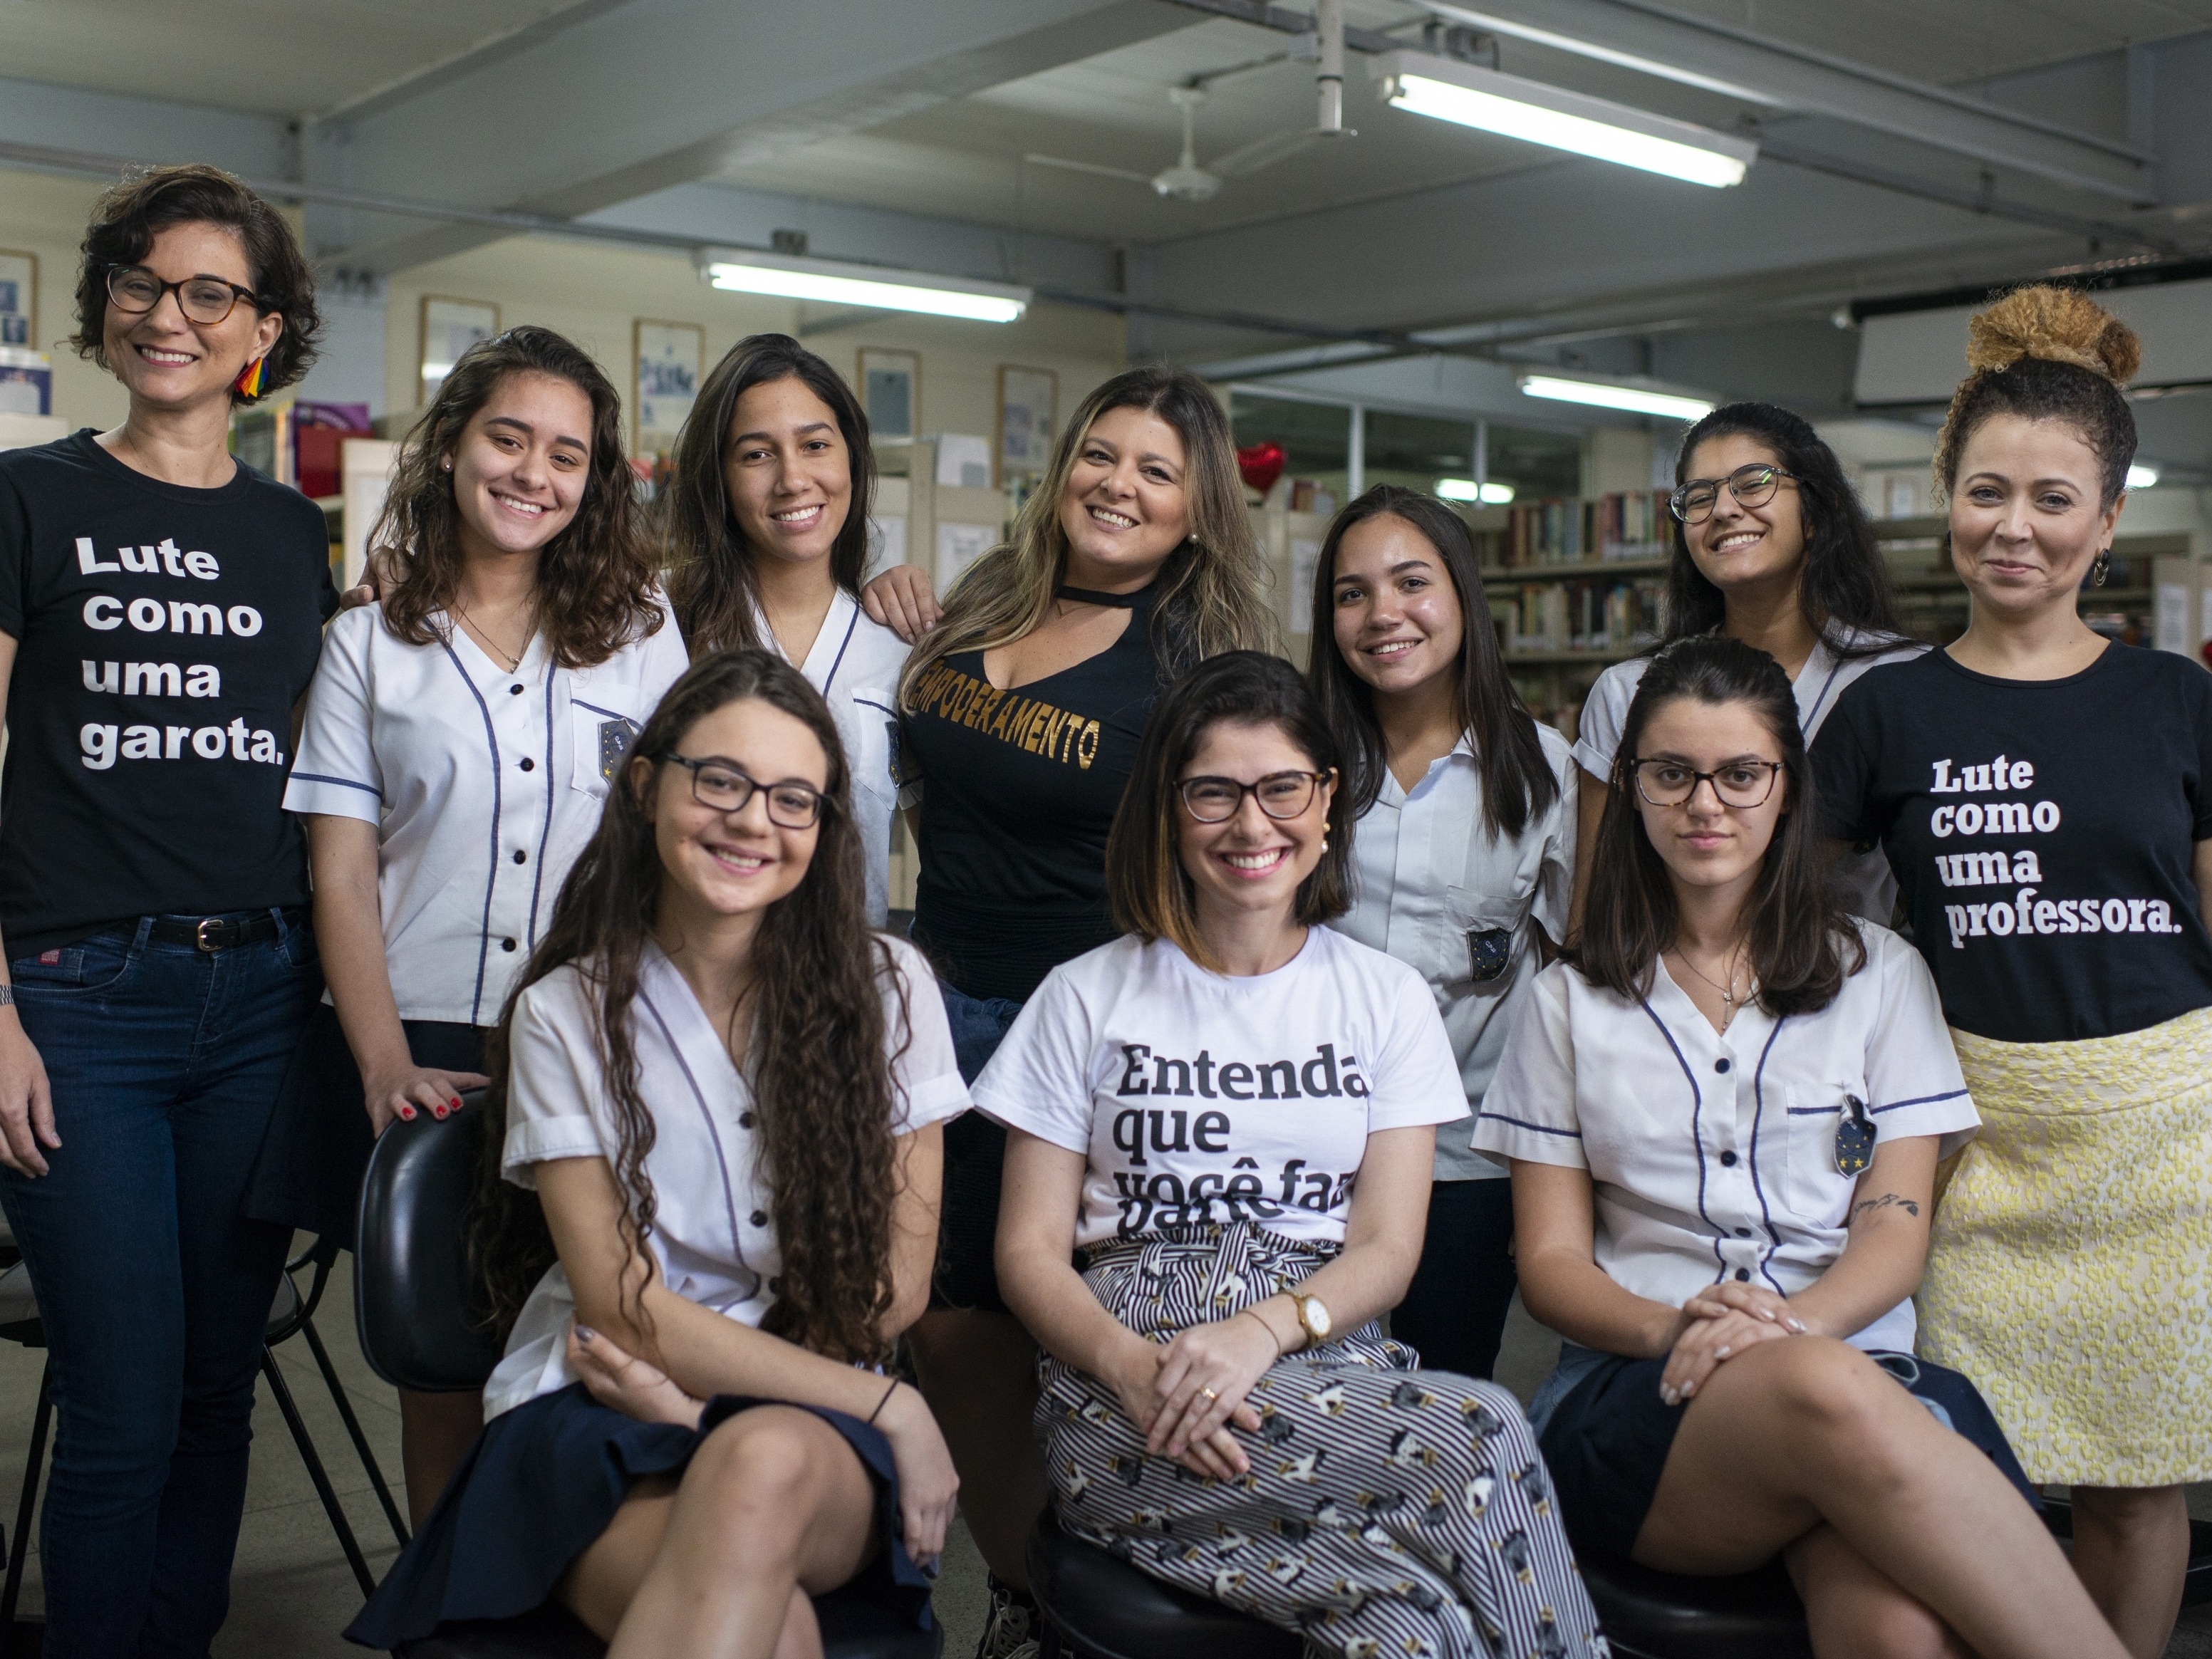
x=412, y=1299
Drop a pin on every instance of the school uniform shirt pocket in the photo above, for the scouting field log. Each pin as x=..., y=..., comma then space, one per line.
x=869, y=728
x=1813, y=1188
x=1485, y=939
x=603, y=720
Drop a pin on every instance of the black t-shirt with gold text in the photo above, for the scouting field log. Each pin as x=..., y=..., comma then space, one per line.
x=1019, y=789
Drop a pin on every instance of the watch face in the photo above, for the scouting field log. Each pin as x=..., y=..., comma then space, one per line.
x=1314, y=1317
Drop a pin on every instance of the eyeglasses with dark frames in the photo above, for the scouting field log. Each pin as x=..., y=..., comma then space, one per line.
x=1751, y=486
x=203, y=300
x=725, y=786
x=1742, y=783
x=1280, y=795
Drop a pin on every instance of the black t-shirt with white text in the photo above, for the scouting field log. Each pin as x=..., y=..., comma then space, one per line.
x=1019, y=789
x=2043, y=832
x=164, y=635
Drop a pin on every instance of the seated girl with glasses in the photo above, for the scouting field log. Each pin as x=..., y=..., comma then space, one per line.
x=710, y=1211
x=1231, y=1113
x=1723, y=1112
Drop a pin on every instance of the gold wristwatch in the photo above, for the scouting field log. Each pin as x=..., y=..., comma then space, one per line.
x=1313, y=1317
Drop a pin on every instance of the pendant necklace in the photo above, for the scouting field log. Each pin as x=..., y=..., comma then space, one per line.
x=1727, y=991
x=513, y=658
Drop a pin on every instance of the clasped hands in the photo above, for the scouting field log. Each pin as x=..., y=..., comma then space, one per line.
x=1186, y=1395
x=1717, y=1324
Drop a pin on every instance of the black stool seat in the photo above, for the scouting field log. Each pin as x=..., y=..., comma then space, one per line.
x=1647, y=1614
x=1102, y=1608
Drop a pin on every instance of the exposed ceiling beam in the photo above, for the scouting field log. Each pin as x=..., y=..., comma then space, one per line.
x=1715, y=57
x=482, y=55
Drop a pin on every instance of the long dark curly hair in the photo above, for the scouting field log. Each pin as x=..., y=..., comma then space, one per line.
x=1845, y=590
x=597, y=584
x=711, y=581
x=1518, y=786
x=1803, y=945
x=819, y=1061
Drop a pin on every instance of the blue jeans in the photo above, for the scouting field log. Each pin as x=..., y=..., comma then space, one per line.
x=153, y=1286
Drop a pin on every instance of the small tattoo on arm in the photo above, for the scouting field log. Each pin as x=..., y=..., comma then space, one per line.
x=1859, y=1209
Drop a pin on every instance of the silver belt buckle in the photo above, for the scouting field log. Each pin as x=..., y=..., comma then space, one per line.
x=200, y=933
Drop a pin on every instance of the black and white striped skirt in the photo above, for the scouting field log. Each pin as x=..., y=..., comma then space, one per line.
x=1389, y=1510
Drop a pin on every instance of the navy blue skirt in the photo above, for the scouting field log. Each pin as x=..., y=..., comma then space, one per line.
x=545, y=1480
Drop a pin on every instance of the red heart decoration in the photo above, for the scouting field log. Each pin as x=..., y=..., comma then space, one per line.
x=1261, y=465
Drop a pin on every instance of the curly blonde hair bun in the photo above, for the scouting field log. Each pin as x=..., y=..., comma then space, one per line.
x=2047, y=354
x=2059, y=324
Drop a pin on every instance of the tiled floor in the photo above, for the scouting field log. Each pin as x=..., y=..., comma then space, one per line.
x=292, y=1593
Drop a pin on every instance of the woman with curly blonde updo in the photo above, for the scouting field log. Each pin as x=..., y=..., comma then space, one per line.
x=2045, y=798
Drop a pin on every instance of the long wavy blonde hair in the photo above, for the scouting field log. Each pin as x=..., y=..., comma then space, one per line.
x=1213, y=589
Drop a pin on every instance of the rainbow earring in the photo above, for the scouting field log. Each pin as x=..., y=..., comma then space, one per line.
x=248, y=383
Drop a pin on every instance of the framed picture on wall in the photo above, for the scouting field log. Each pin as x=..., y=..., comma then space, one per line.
x=449, y=328
x=1026, y=400
x=671, y=359
x=19, y=297
x=890, y=390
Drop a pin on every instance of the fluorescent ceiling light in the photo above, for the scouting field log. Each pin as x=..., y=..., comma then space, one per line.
x=1473, y=96
x=2141, y=476
x=741, y=271
x=1602, y=395
x=1466, y=490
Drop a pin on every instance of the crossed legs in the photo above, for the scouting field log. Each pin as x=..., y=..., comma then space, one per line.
x=774, y=1506
x=1904, y=1539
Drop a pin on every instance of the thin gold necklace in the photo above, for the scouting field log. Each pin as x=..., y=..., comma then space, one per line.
x=1727, y=991
x=513, y=658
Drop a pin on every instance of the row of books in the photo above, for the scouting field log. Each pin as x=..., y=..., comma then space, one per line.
x=1627, y=524
x=1585, y=615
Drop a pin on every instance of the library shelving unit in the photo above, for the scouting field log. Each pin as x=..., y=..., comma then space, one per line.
x=1934, y=601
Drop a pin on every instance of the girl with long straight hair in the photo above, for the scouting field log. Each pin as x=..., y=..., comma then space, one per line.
x=767, y=522
x=1772, y=547
x=708, y=1211
x=1723, y=1112
x=2046, y=798
x=1021, y=714
x=160, y=964
x=1220, y=1406
x=496, y=688
x=1464, y=860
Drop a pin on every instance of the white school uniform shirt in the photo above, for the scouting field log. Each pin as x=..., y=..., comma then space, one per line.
x=1198, y=1097
x=714, y=1235
x=1430, y=880
x=484, y=785
x=854, y=663
x=1863, y=880
x=1712, y=1155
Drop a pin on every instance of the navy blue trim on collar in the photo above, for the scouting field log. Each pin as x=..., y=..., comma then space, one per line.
x=545, y=833
x=714, y=1134
x=1758, y=1112
x=851, y=627
x=1697, y=1130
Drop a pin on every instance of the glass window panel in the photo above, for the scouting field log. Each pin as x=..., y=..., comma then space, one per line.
x=1537, y=465
x=1416, y=450
x=1315, y=438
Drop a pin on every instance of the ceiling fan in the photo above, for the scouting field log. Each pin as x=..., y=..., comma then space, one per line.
x=1186, y=181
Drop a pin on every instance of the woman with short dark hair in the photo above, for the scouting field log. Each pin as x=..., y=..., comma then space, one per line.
x=1228, y=1116
x=153, y=895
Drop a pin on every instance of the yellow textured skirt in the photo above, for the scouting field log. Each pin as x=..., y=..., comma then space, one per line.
x=2070, y=1273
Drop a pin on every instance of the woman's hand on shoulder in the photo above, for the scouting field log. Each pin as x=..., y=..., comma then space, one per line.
x=928, y=1486
x=380, y=574
x=411, y=1089
x=1718, y=1323
x=622, y=1382
x=902, y=599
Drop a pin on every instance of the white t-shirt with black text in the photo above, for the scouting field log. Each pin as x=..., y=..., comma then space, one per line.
x=1198, y=1097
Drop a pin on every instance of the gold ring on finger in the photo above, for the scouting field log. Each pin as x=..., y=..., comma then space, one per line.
x=1210, y=1395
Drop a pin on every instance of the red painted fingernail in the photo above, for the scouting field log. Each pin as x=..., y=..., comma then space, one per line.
x=456, y=1103
x=407, y=1112
x=438, y=1112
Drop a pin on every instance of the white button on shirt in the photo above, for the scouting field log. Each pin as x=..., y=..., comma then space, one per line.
x=484, y=785
x=714, y=1237
x=1429, y=875
x=1863, y=879
x=854, y=663
x=1713, y=1156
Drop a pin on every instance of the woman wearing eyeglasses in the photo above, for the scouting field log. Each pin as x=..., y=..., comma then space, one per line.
x=1772, y=547
x=460, y=743
x=1228, y=1116
x=1723, y=1112
x=160, y=607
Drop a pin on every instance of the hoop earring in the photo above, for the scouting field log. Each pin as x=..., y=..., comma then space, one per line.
x=2101, y=568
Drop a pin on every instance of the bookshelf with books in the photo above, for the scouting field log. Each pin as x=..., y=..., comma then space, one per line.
x=1934, y=605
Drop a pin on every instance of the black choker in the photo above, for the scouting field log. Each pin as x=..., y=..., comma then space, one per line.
x=1092, y=596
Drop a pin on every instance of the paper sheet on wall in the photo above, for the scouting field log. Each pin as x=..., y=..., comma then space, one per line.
x=886, y=543
x=2170, y=631
x=964, y=462
x=959, y=546
x=1305, y=555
